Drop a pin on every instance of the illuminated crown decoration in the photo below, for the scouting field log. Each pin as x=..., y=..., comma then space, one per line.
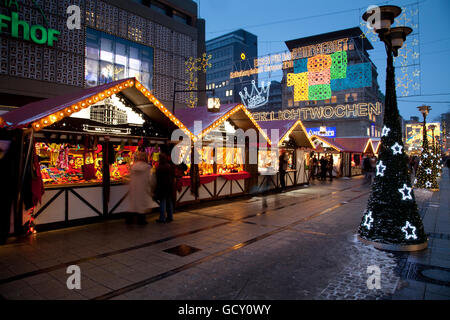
x=256, y=98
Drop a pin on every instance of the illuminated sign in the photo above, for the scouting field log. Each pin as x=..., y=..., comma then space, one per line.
x=316, y=77
x=106, y=130
x=256, y=98
x=414, y=135
x=330, y=132
x=285, y=60
x=326, y=112
x=36, y=33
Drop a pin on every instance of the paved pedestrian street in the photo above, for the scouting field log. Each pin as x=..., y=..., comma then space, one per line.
x=302, y=246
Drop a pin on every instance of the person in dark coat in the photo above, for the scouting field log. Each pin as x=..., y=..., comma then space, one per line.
x=330, y=167
x=165, y=182
x=323, y=168
x=283, y=163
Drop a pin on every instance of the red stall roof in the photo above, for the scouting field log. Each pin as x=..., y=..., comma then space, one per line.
x=207, y=120
x=289, y=128
x=354, y=145
x=46, y=112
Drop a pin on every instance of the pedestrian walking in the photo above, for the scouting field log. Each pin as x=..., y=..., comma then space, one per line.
x=373, y=166
x=283, y=163
x=447, y=164
x=330, y=167
x=323, y=168
x=165, y=182
x=366, y=169
x=140, y=189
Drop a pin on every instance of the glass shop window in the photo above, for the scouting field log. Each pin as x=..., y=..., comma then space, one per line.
x=110, y=58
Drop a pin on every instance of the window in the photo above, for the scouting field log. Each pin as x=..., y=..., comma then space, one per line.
x=368, y=131
x=355, y=96
x=110, y=58
x=333, y=99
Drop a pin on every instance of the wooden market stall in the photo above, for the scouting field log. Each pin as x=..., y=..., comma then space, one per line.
x=292, y=139
x=224, y=143
x=347, y=153
x=83, y=144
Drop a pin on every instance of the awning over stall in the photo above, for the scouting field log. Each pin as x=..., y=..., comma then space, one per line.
x=292, y=129
x=354, y=145
x=199, y=121
x=44, y=113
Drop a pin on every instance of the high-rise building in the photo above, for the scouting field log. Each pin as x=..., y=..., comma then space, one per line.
x=331, y=81
x=146, y=39
x=230, y=52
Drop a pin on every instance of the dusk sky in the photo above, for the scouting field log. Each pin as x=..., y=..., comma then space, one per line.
x=277, y=21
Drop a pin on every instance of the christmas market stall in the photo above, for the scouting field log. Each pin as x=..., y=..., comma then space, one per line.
x=76, y=151
x=222, y=144
x=293, y=140
x=347, y=153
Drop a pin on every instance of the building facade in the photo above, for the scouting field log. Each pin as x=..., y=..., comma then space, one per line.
x=42, y=57
x=230, y=52
x=331, y=82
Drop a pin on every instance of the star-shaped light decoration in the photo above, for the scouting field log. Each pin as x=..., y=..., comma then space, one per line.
x=380, y=169
x=385, y=131
x=428, y=184
x=396, y=148
x=413, y=231
x=425, y=155
x=428, y=171
x=406, y=192
x=368, y=220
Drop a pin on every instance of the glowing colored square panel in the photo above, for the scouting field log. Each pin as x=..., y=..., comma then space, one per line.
x=339, y=65
x=315, y=78
x=320, y=92
x=319, y=63
x=300, y=83
x=301, y=65
x=359, y=75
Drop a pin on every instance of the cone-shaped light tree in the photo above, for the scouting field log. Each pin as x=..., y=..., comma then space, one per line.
x=392, y=220
x=426, y=177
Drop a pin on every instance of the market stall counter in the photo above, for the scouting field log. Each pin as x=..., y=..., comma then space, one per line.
x=293, y=141
x=78, y=150
x=347, y=153
x=221, y=167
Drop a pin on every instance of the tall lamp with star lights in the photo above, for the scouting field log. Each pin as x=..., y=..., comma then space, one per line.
x=391, y=220
x=426, y=173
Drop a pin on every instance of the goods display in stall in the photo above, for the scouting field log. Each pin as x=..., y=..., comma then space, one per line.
x=292, y=139
x=84, y=145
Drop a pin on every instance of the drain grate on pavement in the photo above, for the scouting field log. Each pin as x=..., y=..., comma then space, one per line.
x=182, y=250
x=427, y=273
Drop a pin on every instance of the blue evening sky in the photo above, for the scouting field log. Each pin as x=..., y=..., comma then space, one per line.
x=275, y=21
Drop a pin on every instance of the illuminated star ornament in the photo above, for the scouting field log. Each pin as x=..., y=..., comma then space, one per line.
x=380, y=169
x=428, y=184
x=428, y=171
x=385, y=131
x=368, y=220
x=406, y=192
x=425, y=156
x=408, y=235
x=396, y=148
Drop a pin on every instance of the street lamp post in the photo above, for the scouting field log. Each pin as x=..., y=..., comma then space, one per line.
x=391, y=220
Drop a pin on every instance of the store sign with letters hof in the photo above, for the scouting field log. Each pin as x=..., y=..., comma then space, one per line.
x=21, y=29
